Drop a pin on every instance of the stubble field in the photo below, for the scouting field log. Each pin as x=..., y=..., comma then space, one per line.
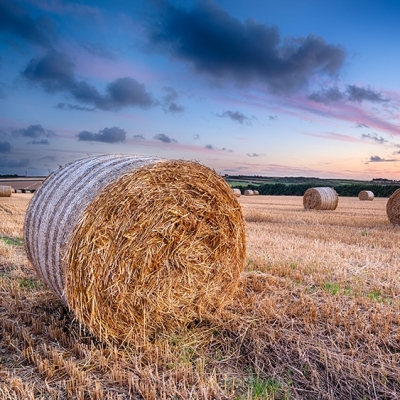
x=316, y=316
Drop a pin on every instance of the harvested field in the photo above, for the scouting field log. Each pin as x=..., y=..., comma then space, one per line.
x=316, y=316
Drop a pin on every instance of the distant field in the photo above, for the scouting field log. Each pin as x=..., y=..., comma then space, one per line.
x=22, y=183
x=316, y=316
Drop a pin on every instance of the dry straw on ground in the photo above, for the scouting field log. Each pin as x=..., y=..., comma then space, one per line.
x=146, y=244
x=5, y=191
x=237, y=192
x=249, y=192
x=393, y=208
x=320, y=198
x=366, y=195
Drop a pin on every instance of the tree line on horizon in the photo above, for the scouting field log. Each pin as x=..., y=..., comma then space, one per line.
x=298, y=189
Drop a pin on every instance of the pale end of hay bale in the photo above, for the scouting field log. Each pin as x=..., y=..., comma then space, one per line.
x=256, y=192
x=366, y=195
x=136, y=245
x=393, y=208
x=320, y=198
x=6, y=191
x=249, y=192
x=237, y=192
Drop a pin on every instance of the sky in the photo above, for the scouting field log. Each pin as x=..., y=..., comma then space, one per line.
x=257, y=87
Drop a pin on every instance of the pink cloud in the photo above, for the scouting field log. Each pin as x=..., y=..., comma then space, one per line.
x=335, y=136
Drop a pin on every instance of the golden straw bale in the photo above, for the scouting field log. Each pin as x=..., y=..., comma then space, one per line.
x=5, y=191
x=135, y=245
x=256, y=192
x=237, y=192
x=249, y=192
x=366, y=195
x=320, y=198
x=393, y=208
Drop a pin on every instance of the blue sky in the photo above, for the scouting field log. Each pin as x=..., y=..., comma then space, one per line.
x=273, y=88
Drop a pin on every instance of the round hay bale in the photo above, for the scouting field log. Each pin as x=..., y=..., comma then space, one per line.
x=5, y=191
x=134, y=245
x=249, y=192
x=256, y=192
x=393, y=208
x=237, y=192
x=366, y=195
x=320, y=198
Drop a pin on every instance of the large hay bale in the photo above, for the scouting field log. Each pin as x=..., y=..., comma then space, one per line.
x=134, y=245
x=248, y=192
x=366, y=195
x=393, y=208
x=256, y=192
x=5, y=191
x=237, y=192
x=320, y=198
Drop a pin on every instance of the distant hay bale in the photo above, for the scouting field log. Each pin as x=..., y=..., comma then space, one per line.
x=237, y=192
x=5, y=191
x=249, y=192
x=366, y=195
x=393, y=208
x=134, y=245
x=320, y=198
x=256, y=192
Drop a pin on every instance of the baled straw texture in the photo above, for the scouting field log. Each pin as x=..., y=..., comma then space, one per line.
x=5, y=191
x=248, y=192
x=366, y=195
x=147, y=244
x=237, y=192
x=393, y=208
x=256, y=192
x=320, y=198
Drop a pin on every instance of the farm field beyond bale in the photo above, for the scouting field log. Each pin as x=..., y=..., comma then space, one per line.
x=316, y=316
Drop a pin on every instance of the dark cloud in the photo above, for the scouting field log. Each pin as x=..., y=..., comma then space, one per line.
x=273, y=117
x=42, y=141
x=106, y=135
x=209, y=147
x=255, y=154
x=16, y=21
x=196, y=137
x=361, y=125
x=55, y=72
x=138, y=137
x=236, y=116
x=169, y=101
x=374, y=137
x=34, y=131
x=63, y=106
x=5, y=147
x=222, y=47
x=22, y=163
x=125, y=92
x=327, y=96
x=99, y=50
x=379, y=159
x=359, y=94
x=352, y=93
x=162, y=137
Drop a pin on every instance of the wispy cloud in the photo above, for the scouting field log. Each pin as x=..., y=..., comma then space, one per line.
x=374, y=137
x=236, y=116
x=377, y=159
